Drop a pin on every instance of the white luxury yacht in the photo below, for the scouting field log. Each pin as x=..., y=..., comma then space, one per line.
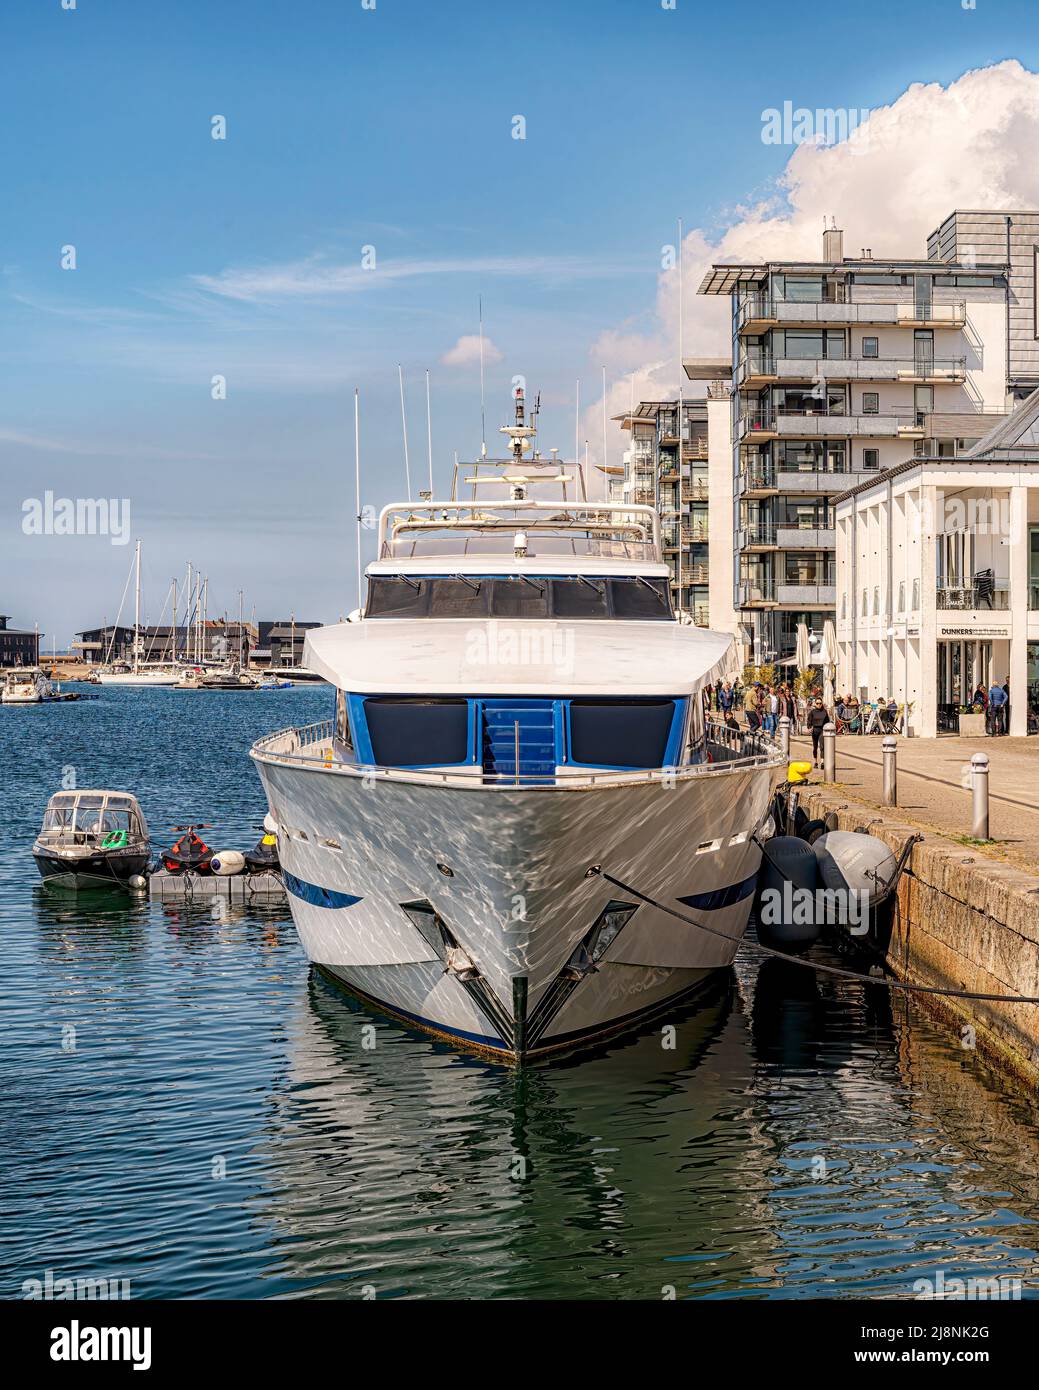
x=517, y=702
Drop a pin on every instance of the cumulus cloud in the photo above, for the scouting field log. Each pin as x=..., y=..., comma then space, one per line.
x=466, y=352
x=969, y=145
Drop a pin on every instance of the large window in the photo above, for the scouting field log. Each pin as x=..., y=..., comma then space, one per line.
x=465, y=596
x=418, y=733
x=620, y=733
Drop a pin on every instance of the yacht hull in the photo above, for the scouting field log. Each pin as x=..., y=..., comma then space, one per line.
x=469, y=911
x=90, y=871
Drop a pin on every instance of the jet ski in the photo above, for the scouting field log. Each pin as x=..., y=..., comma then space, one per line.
x=263, y=856
x=190, y=853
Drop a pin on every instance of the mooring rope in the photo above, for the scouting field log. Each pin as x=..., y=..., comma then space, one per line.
x=882, y=980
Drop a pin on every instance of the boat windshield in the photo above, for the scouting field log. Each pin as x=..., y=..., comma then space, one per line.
x=527, y=596
x=88, y=817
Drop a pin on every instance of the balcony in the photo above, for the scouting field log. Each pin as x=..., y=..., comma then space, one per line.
x=804, y=480
x=977, y=597
x=695, y=490
x=757, y=370
x=801, y=424
x=694, y=449
x=806, y=537
x=807, y=595
x=757, y=480
x=696, y=574
x=758, y=313
x=757, y=535
x=756, y=592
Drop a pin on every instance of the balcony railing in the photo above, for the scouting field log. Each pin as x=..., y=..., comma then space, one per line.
x=974, y=597
x=805, y=537
x=918, y=368
x=757, y=478
x=792, y=593
x=762, y=309
x=758, y=533
x=757, y=591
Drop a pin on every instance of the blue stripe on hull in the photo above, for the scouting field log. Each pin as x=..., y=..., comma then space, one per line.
x=722, y=897
x=316, y=896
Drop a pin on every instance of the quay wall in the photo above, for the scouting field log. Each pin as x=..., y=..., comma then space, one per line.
x=963, y=921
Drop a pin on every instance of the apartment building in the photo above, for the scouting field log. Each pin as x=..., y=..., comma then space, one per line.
x=938, y=579
x=845, y=367
x=665, y=466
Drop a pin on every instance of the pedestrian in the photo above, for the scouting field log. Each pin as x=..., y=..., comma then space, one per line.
x=1006, y=707
x=818, y=718
x=752, y=708
x=726, y=698
x=997, y=702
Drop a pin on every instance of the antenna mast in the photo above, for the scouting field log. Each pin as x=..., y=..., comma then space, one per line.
x=357, y=486
x=483, y=414
x=404, y=427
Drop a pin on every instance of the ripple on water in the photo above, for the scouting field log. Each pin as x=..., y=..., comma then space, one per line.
x=220, y=1129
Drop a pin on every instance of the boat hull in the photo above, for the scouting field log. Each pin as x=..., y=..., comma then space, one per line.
x=91, y=871
x=380, y=870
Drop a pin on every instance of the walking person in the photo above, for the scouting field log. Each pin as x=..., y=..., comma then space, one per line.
x=752, y=708
x=818, y=718
x=997, y=703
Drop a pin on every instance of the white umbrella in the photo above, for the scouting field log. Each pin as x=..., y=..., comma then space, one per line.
x=828, y=657
x=803, y=655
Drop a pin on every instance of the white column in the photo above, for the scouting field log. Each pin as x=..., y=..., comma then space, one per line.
x=1018, y=673
x=928, y=721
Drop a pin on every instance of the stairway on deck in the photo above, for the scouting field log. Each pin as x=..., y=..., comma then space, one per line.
x=537, y=754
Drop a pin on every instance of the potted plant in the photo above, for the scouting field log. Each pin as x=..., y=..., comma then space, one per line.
x=971, y=722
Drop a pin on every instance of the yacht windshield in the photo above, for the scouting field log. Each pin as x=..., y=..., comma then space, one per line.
x=515, y=596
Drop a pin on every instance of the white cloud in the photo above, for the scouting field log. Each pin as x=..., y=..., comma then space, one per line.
x=968, y=145
x=466, y=352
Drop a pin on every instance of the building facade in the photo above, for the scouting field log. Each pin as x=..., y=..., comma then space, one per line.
x=665, y=466
x=18, y=648
x=938, y=576
x=844, y=368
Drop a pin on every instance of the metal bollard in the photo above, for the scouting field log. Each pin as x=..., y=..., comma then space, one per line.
x=890, y=770
x=979, y=796
x=829, y=753
x=784, y=735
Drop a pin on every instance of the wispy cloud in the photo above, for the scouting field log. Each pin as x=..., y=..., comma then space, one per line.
x=24, y=439
x=318, y=277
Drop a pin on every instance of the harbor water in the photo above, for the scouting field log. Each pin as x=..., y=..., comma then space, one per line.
x=188, y=1106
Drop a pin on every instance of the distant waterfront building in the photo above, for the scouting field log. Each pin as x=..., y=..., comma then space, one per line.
x=219, y=641
x=281, y=642
x=843, y=368
x=17, y=648
x=938, y=576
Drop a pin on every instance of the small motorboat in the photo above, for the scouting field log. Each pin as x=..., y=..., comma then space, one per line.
x=190, y=854
x=269, y=682
x=230, y=678
x=92, y=839
x=25, y=685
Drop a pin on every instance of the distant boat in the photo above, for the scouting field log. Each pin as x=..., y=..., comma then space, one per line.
x=298, y=675
x=228, y=678
x=25, y=685
x=269, y=682
x=138, y=673
x=92, y=839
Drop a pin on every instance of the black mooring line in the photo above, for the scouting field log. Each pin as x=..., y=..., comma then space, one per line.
x=883, y=980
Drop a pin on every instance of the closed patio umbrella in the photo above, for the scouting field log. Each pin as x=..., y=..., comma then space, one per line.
x=828, y=657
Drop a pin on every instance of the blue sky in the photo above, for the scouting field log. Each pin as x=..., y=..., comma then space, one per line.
x=348, y=127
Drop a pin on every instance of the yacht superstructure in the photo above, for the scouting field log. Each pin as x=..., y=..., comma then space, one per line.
x=517, y=701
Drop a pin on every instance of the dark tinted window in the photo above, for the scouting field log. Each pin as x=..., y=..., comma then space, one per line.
x=633, y=598
x=418, y=733
x=520, y=598
x=617, y=733
x=579, y=598
x=392, y=597
x=454, y=597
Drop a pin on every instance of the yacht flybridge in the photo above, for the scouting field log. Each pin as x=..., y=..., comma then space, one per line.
x=517, y=701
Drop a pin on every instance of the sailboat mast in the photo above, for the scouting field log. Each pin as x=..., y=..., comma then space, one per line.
x=357, y=488
x=137, y=612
